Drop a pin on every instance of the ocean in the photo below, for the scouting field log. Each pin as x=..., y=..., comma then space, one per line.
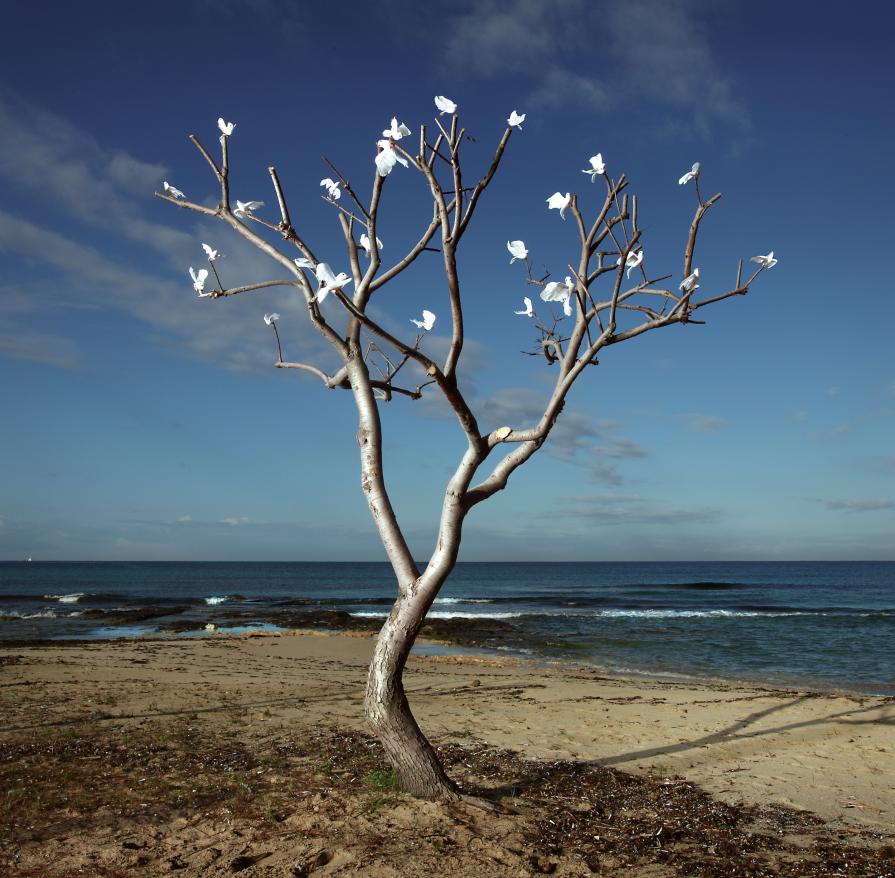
x=814, y=625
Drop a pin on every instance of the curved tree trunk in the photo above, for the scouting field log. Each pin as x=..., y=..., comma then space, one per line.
x=410, y=753
x=387, y=710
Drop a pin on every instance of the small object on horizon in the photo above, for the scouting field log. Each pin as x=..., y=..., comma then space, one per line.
x=329, y=281
x=244, y=207
x=515, y=120
x=365, y=242
x=427, y=322
x=173, y=191
x=446, y=105
x=692, y=174
x=397, y=130
x=558, y=201
x=332, y=188
x=226, y=127
x=765, y=261
x=690, y=283
x=210, y=253
x=270, y=319
x=198, y=279
x=597, y=167
x=528, y=312
x=28, y=559
x=517, y=250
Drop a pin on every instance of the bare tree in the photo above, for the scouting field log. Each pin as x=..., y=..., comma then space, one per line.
x=608, y=249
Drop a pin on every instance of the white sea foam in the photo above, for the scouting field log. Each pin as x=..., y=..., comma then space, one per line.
x=44, y=614
x=445, y=614
x=65, y=598
x=691, y=614
x=463, y=601
x=217, y=599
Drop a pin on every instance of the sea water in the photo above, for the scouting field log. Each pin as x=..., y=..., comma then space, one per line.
x=808, y=624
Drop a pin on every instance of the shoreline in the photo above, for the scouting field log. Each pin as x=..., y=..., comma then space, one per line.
x=744, y=742
x=463, y=648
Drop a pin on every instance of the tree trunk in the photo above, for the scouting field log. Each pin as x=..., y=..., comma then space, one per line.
x=385, y=703
x=410, y=753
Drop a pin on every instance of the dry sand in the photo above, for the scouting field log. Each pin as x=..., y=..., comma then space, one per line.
x=831, y=754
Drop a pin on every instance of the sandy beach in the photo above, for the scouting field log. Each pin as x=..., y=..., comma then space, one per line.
x=745, y=746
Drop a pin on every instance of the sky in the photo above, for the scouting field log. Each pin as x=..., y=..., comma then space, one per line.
x=140, y=422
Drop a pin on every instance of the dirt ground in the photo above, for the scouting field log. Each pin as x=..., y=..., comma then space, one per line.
x=224, y=756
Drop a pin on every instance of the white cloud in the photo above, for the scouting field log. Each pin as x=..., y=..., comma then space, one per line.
x=858, y=505
x=666, y=56
x=833, y=433
x=597, y=56
x=39, y=347
x=44, y=154
x=631, y=509
x=493, y=37
x=560, y=87
x=703, y=423
x=575, y=438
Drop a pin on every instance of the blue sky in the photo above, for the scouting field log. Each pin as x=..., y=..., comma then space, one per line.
x=140, y=422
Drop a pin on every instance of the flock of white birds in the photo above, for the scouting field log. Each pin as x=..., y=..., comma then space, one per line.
x=386, y=159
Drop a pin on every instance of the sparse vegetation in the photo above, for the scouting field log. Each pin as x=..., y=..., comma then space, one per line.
x=594, y=820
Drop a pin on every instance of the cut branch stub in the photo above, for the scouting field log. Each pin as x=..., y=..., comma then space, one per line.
x=501, y=433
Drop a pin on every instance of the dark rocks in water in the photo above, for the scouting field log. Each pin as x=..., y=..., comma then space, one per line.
x=130, y=617
x=178, y=625
x=338, y=620
x=471, y=632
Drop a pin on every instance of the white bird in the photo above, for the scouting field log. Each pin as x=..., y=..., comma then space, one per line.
x=173, y=191
x=517, y=250
x=634, y=258
x=556, y=291
x=397, y=131
x=329, y=281
x=560, y=202
x=244, y=207
x=198, y=278
x=597, y=168
x=365, y=242
x=332, y=188
x=690, y=282
x=765, y=261
x=515, y=120
x=226, y=127
x=269, y=319
x=528, y=312
x=427, y=322
x=692, y=174
x=301, y=262
x=446, y=105
x=387, y=158
x=210, y=253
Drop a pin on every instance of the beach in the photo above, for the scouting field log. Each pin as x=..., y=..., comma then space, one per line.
x=745, y=746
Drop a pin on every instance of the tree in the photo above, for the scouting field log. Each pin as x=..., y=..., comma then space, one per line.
x=609, y=250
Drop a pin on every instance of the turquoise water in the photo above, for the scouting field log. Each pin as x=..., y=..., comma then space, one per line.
x=801, y=624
